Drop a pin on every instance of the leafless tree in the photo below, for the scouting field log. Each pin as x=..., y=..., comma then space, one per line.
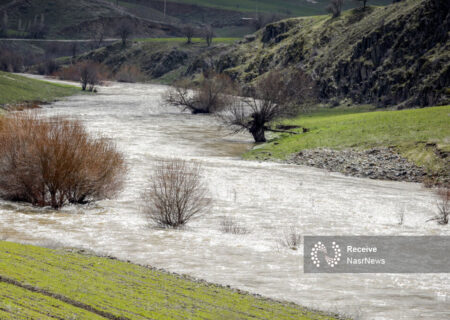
x=443, y=206
x=189, y=32
x=97, y=34
x=53, y=162
x=274, y=96
x=4, y=25
x=89, y=75
x=262, y=20
x=176, y=194
x=208, y=35
x=364, y=2
x=211, y=96
x=335, y=7
x=124, y=31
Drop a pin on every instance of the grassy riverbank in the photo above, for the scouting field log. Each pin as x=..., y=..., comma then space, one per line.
x=418, y=134
x=41, y=283
x=15, y=89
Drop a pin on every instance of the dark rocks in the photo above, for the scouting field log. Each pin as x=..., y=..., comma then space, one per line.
x=377, y=163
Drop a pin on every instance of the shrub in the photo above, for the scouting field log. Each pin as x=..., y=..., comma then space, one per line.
x=88, y=73
x=443, y=206
x=229, y=225
x=213, y=95
x=291, y=239
x=176, y=194
x=129, y=73
x=53, y=162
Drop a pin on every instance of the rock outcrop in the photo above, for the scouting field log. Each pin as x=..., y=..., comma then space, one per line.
x=395, y=55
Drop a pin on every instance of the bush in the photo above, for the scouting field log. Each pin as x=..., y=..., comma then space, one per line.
x=213, y=95
x=129, y=73
x=229, y=225
x=443, y=206
x=53, y=162
x=176, y=194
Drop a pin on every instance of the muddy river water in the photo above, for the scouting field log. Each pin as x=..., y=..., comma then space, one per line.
x=266, y=198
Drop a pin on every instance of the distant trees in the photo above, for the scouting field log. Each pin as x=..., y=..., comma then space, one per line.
x=208, y=35
x=213, y=95
x=189, y=32
x=364, y=2
x=38, y=29
x=124, y=31
x=97, y=34
x=54, y=162
x=4, y=25
x=274, y=96
x=335, y=7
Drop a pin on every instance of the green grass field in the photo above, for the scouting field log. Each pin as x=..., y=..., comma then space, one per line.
x=408, y=130
x=39, y=283
x=15, y=89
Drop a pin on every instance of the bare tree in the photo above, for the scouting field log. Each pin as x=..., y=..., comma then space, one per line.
x=335, y=7
x=211, y=96
x=364, y=2
x=189, y=32
x=176, y=194
x=89, y=75
x=124, y=31
x=97, y=34
x=53, y=162
x=274, y=96
x=4, y=25
x=208, y=35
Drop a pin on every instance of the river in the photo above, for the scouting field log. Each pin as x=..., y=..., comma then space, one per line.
x=266, y=198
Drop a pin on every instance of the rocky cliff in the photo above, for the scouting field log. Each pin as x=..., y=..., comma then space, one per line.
x=395, y=55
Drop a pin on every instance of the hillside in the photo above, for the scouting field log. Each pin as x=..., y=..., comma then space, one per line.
x=68, y=19
x=399, y=54
x=38, y=283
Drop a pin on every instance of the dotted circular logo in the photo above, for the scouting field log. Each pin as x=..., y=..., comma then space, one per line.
x=331, y=261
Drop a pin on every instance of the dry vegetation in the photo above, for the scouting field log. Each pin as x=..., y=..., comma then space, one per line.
x=230, y=225
x=176, y=194
x=213, y=94
x=276, y=95
x=88, y=73
x=53, y=162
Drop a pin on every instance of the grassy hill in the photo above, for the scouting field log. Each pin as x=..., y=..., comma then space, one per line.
x=16, y=89
x=38, y=283
x=399, y=54
x=75, y=18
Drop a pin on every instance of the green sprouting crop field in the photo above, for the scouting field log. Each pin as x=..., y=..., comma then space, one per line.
x=407, y=130
x=17, y=89
x=39, y=283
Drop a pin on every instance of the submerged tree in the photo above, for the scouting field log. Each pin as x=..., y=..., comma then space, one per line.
x=274, y=96
x=212, y=95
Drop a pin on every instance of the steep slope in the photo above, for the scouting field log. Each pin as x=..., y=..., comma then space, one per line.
x=392, y=55
x=74, y=18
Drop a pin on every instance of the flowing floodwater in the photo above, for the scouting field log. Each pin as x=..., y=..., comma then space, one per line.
x=266, y=198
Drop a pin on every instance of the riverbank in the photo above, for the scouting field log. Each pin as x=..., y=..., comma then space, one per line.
x=408, y=145
x=19, y=90
x=99, y=287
